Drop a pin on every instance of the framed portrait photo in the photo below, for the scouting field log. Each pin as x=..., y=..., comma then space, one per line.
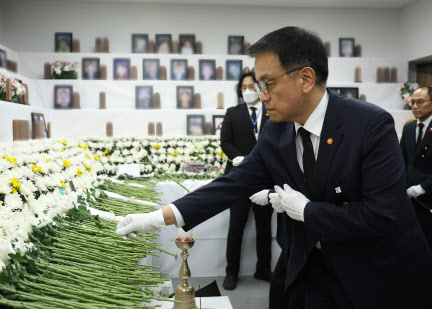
x=3, y=59
x=346, y=92
x=163, y=44
x=235, y=45
x=185, y=97
x=63, y=42
x=39, y=117
x=151, y=69
x=346, y=47
x=195, y=125
x=90, y=68
x=143, y=97
x=207, y=69
x=217, y=124
x=63, y=97
x=121, y=69
x=179, y=69
x=140, y=43
x=187, y=44
x=234, y=69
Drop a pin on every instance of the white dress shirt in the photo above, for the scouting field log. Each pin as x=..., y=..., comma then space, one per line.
x=313, y=124
x=426, y=125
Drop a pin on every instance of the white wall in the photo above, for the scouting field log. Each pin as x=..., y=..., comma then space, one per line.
x=38, y=20
x=2, y=23
x=416, y=24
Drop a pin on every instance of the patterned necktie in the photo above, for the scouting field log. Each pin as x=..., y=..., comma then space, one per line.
x=254, y=116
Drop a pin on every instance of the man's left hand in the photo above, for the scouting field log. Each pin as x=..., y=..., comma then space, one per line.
x=293, y=202
x=415, y=191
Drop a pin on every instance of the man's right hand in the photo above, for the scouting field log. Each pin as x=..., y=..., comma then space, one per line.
x=237, y=160
x=151, y=222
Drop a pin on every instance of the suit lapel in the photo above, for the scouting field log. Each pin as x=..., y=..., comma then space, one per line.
x=330, y=140
x=287, y=147
x=426, y=139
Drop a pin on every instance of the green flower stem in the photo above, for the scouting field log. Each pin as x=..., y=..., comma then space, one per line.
x=166, y=174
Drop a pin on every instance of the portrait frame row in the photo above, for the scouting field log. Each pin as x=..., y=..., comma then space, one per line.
x=195, y=124
x=151, y=69
x=163, y=43
x=144, y=97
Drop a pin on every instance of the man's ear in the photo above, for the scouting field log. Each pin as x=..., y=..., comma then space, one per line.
x=307, y=79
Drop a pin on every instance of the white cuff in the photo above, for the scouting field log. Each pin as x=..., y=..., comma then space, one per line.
x=178, y=216
x=420, y=190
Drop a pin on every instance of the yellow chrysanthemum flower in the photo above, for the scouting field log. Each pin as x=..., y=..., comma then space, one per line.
x=66, y=163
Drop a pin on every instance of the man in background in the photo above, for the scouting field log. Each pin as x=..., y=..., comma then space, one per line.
x=416, y=144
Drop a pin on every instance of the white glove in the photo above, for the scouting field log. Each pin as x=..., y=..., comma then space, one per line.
x=415, y=191
x=198, y=184
x=293, y=201
x=260, y=198
x=237, y=161
x=276, y=202
x=141, y=223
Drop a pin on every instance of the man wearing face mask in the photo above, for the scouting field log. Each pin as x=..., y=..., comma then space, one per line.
x=240, y=129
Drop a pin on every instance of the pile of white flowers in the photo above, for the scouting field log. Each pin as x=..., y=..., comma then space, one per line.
x=34, y=175
x=170, y=154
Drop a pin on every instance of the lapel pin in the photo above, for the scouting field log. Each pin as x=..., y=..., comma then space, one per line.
x=430, y=131
x=267, y=115
x=330, y=141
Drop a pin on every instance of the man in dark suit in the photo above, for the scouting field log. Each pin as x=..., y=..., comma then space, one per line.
x=416, y=144
x=240, y=129
x=356, y=242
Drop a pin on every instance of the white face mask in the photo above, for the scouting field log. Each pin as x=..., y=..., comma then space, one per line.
x=250, y=96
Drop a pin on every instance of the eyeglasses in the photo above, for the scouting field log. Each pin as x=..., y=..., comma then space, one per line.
x=263, y=86
x=419, y=102
x=250, y=87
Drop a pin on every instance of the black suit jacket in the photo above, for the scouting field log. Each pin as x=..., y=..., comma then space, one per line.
x=418, y=162
x=237, y=134
x=369, y=229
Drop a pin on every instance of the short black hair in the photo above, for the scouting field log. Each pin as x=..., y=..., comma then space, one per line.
x=295, y=47
x=240, y=82
x=429, y=89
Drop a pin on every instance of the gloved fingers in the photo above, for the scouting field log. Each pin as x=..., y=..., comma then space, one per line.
x=125, y=230
x=288, y=189
x=279, y=190
x=123, y=222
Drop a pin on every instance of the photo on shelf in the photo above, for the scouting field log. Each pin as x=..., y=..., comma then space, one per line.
x=144, y=97
x=151, y=69
x=187, y=44
x=39, y=117
x=63, y=97
x=185, y=97
x=346, y=47
x=163, y=43
x=234, y=69
x=90, y=68
x=235, y=45
x=121, y=69
x=63, y=42
x=207, y=69
x=179, y=69
x=3, y=59
x=139, y=43
x=347, y=92
x=217, y=124
x=195, y=125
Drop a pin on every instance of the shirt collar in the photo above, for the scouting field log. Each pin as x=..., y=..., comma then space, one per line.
x=257, y=106
x=426, y=122
x=315, y=121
